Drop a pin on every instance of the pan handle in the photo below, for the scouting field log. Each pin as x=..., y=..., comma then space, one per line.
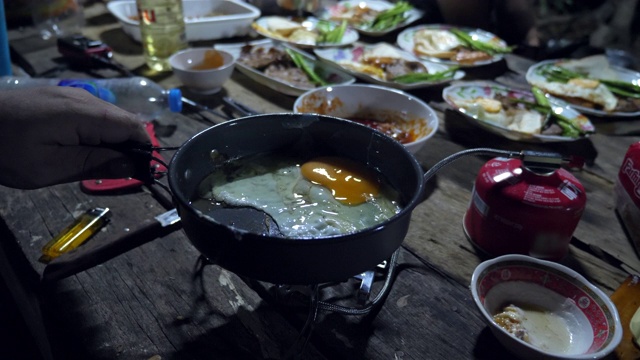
x=453, y=157
x=96, y=253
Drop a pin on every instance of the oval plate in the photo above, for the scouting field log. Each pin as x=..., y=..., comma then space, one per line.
x=336, y=10
x=405, y=41
x=623, y=74
x=472, y=90
x=326, y=71
x=336, y=56
x=260, y=26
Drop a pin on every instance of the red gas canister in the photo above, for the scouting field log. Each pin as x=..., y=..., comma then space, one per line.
x=520, y=209
x=627, y=194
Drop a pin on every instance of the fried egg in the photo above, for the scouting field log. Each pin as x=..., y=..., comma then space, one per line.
x=371, y=59
x=484, y=109
x=590, y=90
x=491, y=110
x=436, y=43
x=282, y=26
x=326, y=196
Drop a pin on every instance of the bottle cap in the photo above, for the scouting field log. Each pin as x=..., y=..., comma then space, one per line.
x=81, y=84
x=175, y=100
x=106, y=95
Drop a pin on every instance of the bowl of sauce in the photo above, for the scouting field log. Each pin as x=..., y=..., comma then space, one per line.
x=202, y=70
x=397, y=114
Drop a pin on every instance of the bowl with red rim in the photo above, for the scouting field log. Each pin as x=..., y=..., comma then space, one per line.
x=540, y=309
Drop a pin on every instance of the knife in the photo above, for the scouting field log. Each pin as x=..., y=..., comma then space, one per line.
x=95, y=253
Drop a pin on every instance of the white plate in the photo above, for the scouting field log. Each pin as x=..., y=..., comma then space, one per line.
x=336, y=76
x=350, y=35
x=199, y=25
x=405, y=41
x=379, y=5
x=353, y=53
x=623, y=75
x=472, y=90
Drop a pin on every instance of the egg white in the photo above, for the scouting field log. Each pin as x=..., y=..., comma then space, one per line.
x=300, y=208
x=436, y=43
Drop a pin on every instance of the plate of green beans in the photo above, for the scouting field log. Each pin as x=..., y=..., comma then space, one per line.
x=391, y=67
x=511, y=112
x=622, y=83
x=374, y=17
x=467, y=47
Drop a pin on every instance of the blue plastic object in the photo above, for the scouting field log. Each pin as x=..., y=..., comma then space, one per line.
x=175, y=100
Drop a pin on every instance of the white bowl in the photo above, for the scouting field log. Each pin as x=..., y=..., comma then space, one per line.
x=236, y=18
x=208, y=81
x=572, y=306
x=372, y=102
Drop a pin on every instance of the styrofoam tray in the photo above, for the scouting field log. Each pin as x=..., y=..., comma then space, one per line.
x=200, y=25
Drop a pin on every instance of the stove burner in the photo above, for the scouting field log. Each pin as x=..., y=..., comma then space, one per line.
x=308, y=296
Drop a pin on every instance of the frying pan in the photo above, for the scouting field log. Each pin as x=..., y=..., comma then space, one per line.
x=229, y=237
x=246, y=240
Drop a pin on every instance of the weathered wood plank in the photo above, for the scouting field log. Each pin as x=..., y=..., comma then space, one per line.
x=153, y=301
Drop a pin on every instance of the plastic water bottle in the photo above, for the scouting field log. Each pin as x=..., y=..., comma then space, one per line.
x=138, y=95
x=162, y=31
x=5, y=61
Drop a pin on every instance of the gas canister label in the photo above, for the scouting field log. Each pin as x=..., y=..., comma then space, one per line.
x=633, y=175
x=479, y=204
x=537, y=194
x=569, y=190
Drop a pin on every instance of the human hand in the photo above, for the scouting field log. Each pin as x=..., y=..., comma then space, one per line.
x=54, y=135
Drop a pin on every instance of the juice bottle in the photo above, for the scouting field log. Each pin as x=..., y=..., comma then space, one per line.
x=163, y=31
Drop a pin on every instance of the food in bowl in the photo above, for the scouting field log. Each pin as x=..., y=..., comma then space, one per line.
x=536, y=326
x=306, y=198
x=212, y=59
x=202, y=70
x=538, y=308
x=393, y=112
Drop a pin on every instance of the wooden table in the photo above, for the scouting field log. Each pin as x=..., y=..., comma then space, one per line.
x=158, y=301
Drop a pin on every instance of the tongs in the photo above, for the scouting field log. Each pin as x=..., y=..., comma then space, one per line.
x=201, y=107
x=240, y=108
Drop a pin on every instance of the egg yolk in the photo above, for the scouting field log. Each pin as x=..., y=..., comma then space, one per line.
x=349, y=182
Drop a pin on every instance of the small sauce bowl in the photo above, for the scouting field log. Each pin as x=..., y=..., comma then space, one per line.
x=202, y=70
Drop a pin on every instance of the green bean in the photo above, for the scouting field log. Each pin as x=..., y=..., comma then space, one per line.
x=540, y=97
x=570, y=127
x=302, y=64
x=329, y=33
x=623, y=92
x=391, y=17
x=559, y=74
x=621, y=84
x=424, y=76
x=487, y=47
